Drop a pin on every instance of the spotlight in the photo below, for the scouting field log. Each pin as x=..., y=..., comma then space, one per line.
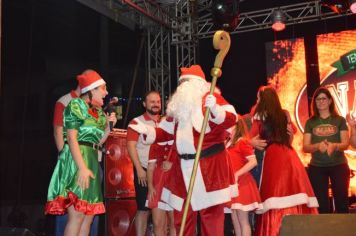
x=278, y=19
x=225, y=13
x=338, y=6
x=353, y=6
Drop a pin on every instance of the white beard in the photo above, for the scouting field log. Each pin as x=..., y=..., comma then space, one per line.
x=186, y=98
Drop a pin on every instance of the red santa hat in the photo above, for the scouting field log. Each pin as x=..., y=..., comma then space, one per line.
x=193, y=72
x=89, y=80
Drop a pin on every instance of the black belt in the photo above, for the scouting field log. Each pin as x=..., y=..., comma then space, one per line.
x=92, y=145
x=210, y=151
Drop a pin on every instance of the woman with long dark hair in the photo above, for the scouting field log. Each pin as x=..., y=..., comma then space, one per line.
x=285, y=187
x=326, y=137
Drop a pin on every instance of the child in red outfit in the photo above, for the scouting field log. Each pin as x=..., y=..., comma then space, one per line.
x=243, y=159
x=157, y=174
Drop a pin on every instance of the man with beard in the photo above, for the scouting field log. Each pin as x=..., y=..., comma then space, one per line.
x=139, y=153
x=214, y=183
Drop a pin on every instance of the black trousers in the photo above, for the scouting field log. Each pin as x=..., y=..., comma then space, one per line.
x=141, y=193
x=339, y=177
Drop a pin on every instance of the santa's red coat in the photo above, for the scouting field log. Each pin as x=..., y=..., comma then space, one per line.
x=215, y=183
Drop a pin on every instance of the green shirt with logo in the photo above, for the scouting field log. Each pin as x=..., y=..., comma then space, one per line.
x=326, y=129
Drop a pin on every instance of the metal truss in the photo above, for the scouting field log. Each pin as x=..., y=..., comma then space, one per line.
x=182, y=23
x=184, y=38
x=132, y=13
x=159, y=61
x=259, y=20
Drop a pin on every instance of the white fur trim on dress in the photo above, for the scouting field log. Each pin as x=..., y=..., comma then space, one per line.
x=202, y=199
x=288, y=201
x=173, y=200
x=250, y=207
x=164, y=206
x=92, y=86
x=161, y=205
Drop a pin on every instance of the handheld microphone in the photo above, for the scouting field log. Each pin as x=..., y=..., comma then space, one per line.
x=110, y=108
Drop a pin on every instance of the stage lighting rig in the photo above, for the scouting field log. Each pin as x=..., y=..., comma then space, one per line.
x=278, y=20
x=225, y=13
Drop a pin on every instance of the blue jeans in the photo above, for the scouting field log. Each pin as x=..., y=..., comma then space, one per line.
x=61, y=222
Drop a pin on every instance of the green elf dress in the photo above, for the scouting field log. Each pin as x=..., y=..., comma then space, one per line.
x=63, y=190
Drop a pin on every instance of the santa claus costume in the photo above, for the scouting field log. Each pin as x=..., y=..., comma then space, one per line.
x=249, y=197
x=214, y=183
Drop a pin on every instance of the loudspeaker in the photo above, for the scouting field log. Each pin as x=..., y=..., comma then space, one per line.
x=119, y=177
x=120, y=217
x=323, y=224
x=11, y=231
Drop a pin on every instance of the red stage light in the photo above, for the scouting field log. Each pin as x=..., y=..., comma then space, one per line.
x=278, y=19
x=278, y=26
x=353, y=6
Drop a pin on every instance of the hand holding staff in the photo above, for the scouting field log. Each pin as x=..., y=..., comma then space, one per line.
x=221, y=42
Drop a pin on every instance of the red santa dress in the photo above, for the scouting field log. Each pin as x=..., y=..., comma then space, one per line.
x=285, y=187
x=159, y=152
x=249, y=197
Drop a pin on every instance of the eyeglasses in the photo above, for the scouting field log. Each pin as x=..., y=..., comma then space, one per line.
x=322, y=99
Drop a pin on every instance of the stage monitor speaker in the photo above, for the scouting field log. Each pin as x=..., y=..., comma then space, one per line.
x=119, y=178
x=120, y=216
x=13, y=231
x=323, y=224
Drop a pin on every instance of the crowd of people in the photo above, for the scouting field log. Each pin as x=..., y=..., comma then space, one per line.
x=247, y=163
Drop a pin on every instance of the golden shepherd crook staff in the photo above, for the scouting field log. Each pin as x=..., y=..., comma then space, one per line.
x=221, y=42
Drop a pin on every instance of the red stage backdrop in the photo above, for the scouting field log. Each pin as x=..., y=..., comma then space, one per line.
x=337, y=62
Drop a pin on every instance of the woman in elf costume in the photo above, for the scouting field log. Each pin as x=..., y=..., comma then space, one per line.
x=75, y=183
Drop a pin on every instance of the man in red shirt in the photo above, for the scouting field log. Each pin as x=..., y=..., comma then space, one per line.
x=139, y=153
x=61, y=104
